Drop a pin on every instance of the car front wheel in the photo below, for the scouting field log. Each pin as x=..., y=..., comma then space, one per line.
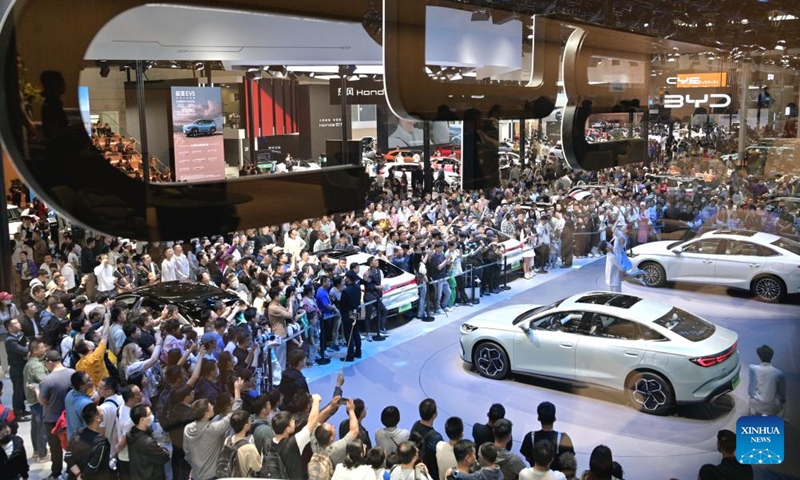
x=193, y=132
x=491, y=360
x=654, y=274
x=769, y=289
x=649, y=393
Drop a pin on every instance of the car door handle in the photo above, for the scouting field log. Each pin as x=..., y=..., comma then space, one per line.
x=567, y=345
x=708, y=261
x=631, y=354
x=754, y=265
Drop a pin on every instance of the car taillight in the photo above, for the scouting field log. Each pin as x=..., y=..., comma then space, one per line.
x=712, y=360
x=401, y=285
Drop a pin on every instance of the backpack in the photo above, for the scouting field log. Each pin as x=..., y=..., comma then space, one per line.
x=271, y=462
x=228, y=462
x=420, y=441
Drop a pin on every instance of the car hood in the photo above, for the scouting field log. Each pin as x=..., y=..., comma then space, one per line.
x=653, y=248
x=500, y=319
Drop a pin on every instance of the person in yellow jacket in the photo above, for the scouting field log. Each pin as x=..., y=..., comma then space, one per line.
x=92, y=359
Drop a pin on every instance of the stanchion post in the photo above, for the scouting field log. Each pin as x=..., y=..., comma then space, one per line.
x=505, y=274
x=428, y=317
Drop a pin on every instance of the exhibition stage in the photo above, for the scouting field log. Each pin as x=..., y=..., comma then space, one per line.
x=422, y=360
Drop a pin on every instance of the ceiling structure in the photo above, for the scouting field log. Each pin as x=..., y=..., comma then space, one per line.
x=742, y=26
x=766, y=30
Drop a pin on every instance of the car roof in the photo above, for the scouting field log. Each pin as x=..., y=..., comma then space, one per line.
x=632, y=307
x=176, y=291
x=743, y=235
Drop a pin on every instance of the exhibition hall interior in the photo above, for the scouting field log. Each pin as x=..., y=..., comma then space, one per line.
x=397, y=239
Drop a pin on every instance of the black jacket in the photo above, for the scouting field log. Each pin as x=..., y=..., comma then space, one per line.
x=17, y=348
x=15, y=466
x=292, y=382
x=147, y=457
x=90, y=451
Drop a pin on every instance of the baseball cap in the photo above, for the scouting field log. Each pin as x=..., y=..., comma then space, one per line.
x=5, y=296
x=52, y=356
x=352, y=275
x=208, y=337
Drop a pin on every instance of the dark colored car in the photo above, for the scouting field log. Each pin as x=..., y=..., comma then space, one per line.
x=191, y=298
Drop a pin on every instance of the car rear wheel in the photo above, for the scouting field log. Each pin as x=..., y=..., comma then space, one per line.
x=769, y=289
x=650, y=393
x=212, y=131
x=491, y=360
x=654, y=274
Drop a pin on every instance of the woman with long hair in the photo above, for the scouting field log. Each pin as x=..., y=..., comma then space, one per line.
x=143, y=373
x=354, y=466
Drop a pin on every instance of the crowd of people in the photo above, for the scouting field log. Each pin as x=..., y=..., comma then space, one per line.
x=111, y=385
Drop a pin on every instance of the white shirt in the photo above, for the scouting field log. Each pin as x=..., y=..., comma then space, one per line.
x=531, y=474
x=767, y=389
x=169, y=270
x=69, y=276
x=108, y=427
x=124, y=425
x=105, y=278
x=181, y=266
x=445, y=458
x=362, y=472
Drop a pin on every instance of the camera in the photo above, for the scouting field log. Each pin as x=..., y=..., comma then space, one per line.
x=343, y=401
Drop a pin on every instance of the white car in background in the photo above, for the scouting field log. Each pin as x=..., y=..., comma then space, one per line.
x=557, y=150
x=14, y=220
x=767, y=265
x=400, y=290
x=658, y=354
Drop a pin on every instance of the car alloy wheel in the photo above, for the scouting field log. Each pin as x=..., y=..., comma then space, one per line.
x=650, y=393
x=491, y=360
x=654, y=275
x=768, y=289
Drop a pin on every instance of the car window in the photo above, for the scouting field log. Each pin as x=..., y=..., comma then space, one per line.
x=688, y=326
x=651, y=335
x=736, y=247
x=569, y=322
x=787, y=244
x=606, y=326
x=536, y=311
x=152, y=304
x=125, y=303
x=706, y=246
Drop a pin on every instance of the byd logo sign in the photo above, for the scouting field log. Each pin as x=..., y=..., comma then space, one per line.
x=720, y=100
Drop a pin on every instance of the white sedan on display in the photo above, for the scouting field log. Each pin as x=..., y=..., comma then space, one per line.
x=767, y=265
x=658, y=354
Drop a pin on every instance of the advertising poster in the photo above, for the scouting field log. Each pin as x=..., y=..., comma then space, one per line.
x=197, y=134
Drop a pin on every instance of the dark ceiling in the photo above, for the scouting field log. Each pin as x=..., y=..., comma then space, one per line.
x=723, y=23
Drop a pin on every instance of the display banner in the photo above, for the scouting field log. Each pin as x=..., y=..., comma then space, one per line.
x=197, y=134
x=702, y=80
x=359, y=92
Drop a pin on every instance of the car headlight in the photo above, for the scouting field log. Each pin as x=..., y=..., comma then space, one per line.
x=467, y=328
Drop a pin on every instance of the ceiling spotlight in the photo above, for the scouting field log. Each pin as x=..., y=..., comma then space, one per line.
x=353, y=78
x=646, y=25
x=745, y=21
x=199, y=65
x=481, y=16
x=105, y=70
x=311, y=74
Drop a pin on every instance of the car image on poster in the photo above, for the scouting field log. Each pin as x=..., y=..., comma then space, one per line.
x=197, y=134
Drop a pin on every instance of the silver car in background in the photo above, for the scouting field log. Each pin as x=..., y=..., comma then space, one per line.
x=658, y=354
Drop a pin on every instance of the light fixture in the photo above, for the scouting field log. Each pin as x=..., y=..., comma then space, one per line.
x=482, y=15
x=346, y=70
x=199, y=65
x=105, y=70
x=615, y=63
x=745, y=21
x=353, y=78
x=311, y=74
x=646, y=25
x=781, y=45
x=277, y=71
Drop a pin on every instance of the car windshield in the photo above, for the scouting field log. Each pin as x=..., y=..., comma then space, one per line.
x=787, y=244
x=688, y=326
x=535, y=311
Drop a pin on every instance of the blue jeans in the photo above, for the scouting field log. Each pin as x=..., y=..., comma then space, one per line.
x=38, y=432
x=442, y=294
x=423, y=298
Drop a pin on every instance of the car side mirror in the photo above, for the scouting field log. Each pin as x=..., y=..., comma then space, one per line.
x=525, y=327
x=677, y=250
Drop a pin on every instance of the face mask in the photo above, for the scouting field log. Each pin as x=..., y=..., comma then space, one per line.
x=234, y=285
x=5, y=440
x=152, y=419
